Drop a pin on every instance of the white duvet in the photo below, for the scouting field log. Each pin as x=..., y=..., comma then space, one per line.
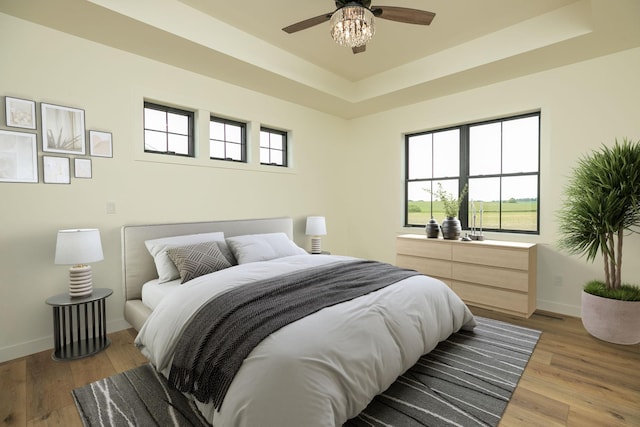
x=325, y=368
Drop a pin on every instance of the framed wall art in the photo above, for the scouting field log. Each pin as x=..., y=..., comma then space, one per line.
x=18, y=157
x=82, y=168
x=56, y=170
x=20, y=113
x=100, y=144
x=62, y=129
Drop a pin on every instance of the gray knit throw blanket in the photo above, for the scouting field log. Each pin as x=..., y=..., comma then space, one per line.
x=227, y=328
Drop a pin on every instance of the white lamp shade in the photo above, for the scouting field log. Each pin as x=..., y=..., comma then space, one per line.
x=75, y=247
x=316, y=226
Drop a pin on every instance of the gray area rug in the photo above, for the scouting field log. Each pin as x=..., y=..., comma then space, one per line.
x=137, y=397
x=466, y=381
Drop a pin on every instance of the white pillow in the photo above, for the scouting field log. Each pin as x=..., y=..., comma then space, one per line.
x=158, y=249
x=263, y=247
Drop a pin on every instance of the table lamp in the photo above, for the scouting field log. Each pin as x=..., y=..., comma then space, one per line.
x=316, y=227
x=78, y=248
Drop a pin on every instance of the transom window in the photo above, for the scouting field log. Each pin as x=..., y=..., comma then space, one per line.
x=227, y=140
x=168, y=130
x=499, y=162
x=273, y=147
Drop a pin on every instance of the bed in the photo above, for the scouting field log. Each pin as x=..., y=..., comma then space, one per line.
x=138, y=266
x=318, y=369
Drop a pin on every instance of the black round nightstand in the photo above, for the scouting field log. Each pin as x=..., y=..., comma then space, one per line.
x=79, y=324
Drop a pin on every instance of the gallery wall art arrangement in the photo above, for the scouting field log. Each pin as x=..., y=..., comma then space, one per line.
x=64, y=143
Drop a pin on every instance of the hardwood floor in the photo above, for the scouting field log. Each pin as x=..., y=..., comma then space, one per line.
x=571, y=380
x=36, y=390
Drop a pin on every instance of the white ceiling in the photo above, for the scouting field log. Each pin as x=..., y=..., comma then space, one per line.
x=470, y=43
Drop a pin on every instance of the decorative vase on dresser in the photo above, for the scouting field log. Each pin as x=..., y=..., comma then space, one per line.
x=432, y=229
x=451, y=228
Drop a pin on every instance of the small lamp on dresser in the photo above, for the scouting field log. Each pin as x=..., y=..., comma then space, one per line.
x=316, y=227
x=78, y=248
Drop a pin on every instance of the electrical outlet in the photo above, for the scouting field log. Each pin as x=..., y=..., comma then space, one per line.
x=111, y=207
x=557, y=281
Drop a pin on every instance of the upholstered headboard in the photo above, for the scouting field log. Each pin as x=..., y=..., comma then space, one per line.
x=138, y=266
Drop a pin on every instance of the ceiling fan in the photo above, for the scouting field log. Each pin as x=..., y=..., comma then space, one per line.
x=352, y=22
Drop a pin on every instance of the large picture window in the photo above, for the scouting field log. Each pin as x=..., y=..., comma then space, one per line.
x=499, y=162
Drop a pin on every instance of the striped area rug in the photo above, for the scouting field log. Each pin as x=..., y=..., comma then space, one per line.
x=135, y=398
x=466, y=381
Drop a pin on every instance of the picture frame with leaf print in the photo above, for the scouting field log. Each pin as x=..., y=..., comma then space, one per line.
x=63, y=129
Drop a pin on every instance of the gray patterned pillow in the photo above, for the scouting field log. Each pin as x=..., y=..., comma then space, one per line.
x=196, y=260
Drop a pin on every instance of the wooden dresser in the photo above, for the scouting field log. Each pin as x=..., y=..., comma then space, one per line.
x=492, y=274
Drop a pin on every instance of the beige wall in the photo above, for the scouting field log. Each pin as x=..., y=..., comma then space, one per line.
x=350, y=171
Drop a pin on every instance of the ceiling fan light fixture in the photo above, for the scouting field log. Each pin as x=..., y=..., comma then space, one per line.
x=352, y=26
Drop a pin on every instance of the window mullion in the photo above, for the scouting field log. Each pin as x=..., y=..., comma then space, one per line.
x=463, y=215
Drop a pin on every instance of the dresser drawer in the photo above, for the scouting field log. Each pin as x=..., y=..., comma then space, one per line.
x=498, y=257
x=500, y=299
x=437, y=249
x=516, y=280
x=429, y=266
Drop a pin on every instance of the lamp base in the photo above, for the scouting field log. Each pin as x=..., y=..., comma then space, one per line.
x=316, y=245
x=80, y=281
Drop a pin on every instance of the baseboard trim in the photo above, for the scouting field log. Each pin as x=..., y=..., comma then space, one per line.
x=27, y=348
x=554, y=307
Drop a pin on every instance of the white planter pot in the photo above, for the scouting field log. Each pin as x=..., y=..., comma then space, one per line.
x=611, y=320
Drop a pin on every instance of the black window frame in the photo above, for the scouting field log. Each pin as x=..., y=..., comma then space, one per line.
x=243, y=139
x=285, y=146
x=464, y=176
x=167, y=109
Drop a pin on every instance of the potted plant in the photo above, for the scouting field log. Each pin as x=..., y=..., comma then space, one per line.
x=451, y=225
x=602, y=204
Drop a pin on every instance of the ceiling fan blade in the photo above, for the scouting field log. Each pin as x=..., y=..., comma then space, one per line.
x=359, y=49
x=307, y=23
x=403, y=14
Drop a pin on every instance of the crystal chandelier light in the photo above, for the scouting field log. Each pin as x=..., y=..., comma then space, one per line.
x=352, y=26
